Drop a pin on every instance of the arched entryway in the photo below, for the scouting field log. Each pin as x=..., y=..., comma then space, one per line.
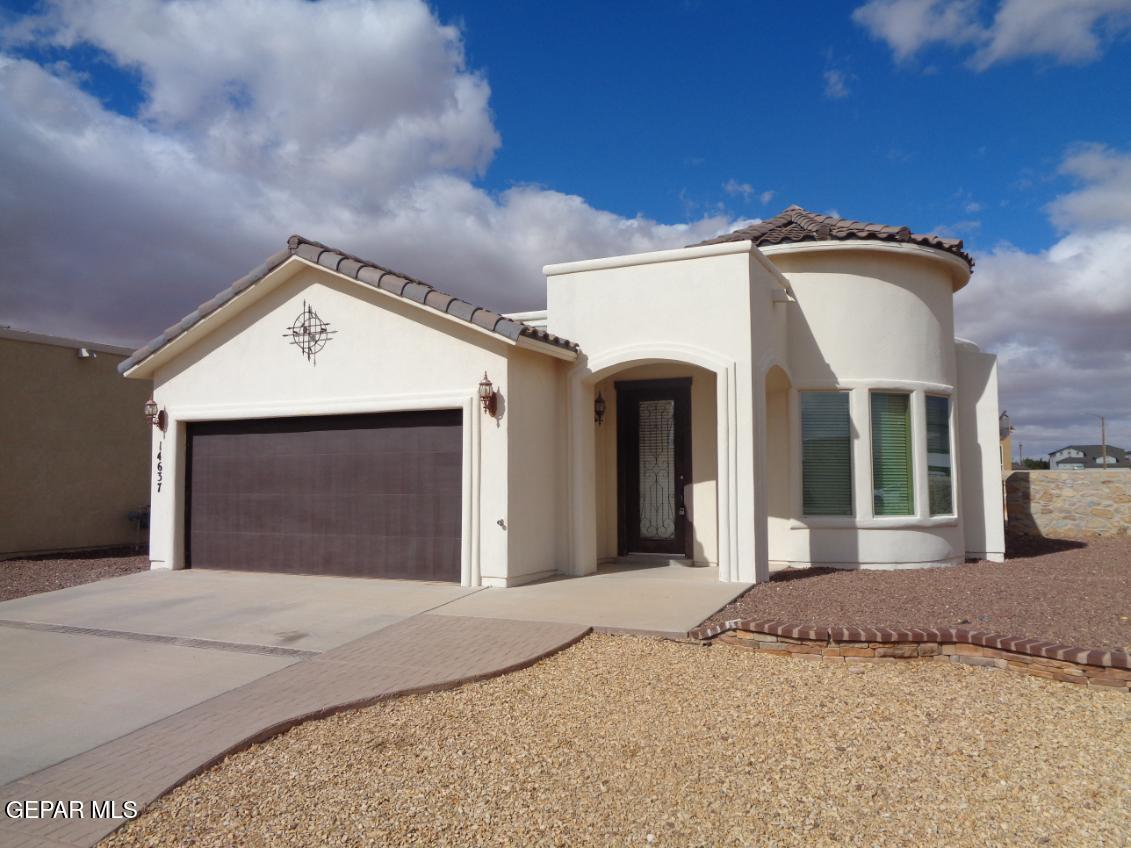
x=721, y=462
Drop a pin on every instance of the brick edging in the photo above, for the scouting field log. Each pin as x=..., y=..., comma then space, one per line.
x=1013, y=645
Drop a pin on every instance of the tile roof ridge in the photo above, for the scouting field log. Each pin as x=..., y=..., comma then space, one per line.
x=797, y=224
x=296, y=241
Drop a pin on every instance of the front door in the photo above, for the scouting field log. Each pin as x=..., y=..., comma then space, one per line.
x=653, y=466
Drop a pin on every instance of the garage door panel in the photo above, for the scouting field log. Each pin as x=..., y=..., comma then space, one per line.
x=371, y=495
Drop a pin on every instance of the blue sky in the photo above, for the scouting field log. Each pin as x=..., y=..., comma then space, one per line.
x=653, y=107
x=151, y=152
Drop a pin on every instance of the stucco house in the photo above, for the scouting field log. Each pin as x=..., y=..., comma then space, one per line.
x=790, y=393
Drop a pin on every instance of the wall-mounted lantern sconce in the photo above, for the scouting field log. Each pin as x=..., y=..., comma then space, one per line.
x=156, y=416
x=488, y=396
x=599, y=409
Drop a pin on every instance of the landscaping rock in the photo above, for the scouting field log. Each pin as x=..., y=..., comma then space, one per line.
x=620, y=739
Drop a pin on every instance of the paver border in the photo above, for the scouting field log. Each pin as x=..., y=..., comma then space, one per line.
x=281, y=727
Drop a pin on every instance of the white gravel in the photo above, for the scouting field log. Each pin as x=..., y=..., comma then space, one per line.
x=626, y=741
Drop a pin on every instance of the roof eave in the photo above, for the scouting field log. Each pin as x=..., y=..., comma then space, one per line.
x=190, y=329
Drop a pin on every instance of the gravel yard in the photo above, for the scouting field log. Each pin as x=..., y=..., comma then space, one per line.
x=630, y=741
x=1078, y=593
x=20, y=577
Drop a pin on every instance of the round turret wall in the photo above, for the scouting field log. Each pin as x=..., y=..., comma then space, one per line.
x=871, y=317
x=869, y=311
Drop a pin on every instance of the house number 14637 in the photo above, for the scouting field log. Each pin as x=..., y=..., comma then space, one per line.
x=160, y=466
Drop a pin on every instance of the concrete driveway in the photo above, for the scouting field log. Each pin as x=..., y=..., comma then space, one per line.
x=89, y=664
x=85, y=665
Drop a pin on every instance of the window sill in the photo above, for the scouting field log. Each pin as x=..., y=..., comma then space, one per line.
x=888, y=522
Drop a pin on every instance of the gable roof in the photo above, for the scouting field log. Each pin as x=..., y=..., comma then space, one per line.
x=795, y=224
x=367, y=273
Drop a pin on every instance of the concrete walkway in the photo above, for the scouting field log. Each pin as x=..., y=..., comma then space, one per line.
x=421, y=653
x=660, y=600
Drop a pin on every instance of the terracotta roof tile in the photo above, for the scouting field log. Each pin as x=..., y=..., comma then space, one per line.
x=797, y=225
x=364, y=272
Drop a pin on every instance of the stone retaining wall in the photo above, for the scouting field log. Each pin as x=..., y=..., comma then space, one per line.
x=1069, y=504
x=863, y=645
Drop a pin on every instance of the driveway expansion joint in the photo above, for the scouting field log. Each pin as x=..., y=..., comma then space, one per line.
x=177, y=641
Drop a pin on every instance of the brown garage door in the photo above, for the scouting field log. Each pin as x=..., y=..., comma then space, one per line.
x=352, y=495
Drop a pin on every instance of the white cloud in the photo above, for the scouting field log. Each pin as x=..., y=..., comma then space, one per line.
x=746, y=191
x=358, y=124
x=1067, y=31
x=735, y=188
x=1059, y=319
x=908, y=25
x=1070, y=31
x=836, y=84
x=958, y=229
x=1106, y=196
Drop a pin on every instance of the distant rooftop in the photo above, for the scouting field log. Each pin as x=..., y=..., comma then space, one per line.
x=16, y=335
x=1092, y=455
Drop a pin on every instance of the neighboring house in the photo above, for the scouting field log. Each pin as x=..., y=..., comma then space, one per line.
x=74, y=446
x=789, y=393
x=1082, y=457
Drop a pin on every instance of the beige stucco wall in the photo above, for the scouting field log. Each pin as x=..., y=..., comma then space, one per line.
x=1069, y=504
x=868, y=313
x=74, y=456
x=779, y=457
x=386, y=354
x=534, y=416
x=979, y=454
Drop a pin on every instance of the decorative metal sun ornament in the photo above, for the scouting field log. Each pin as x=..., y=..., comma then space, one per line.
x=309, y=333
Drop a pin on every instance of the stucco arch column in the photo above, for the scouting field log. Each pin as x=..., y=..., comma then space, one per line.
x=735, y=491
